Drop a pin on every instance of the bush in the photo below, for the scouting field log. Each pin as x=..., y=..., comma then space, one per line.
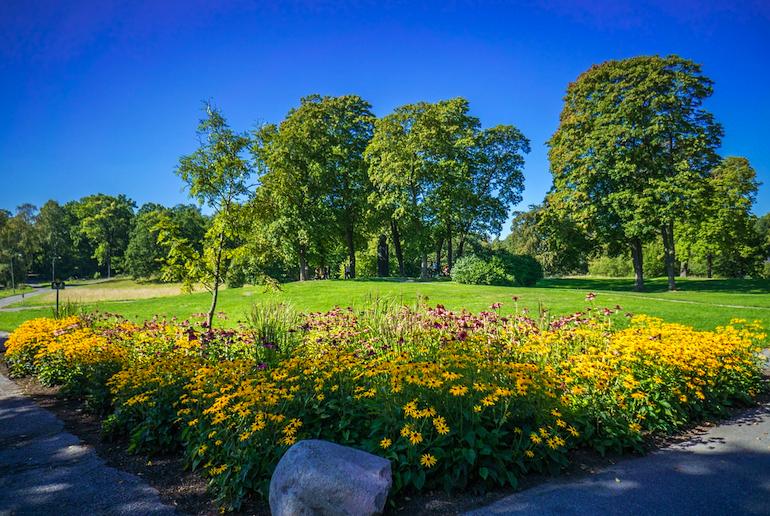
x=525, y=269
x=612, y=267
x=473, y=270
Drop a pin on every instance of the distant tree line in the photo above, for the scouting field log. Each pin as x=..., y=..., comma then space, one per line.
x=93, y=237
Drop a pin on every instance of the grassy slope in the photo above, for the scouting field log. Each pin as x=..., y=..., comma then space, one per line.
x=700, y=303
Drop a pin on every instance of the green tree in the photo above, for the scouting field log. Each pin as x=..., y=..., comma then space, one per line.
x=217, y=175
x=105, y=221
x=315, y=185
x=144, y=255
x=725, y=235
x=441, y=178
x=19, y=243
x=55, y=225
x=632, y=151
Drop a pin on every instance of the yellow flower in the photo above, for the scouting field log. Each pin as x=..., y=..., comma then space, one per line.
x=477, y=408
x=535, y=438
x=458, y=390
x=385, y=443
x=415, y=438
x=635, y=427
x=529, y=453
x=441, y=427
x=428, y=460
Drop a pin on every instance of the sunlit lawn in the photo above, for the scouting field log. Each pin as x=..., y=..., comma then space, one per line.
x=700, y=303
x=7, y=292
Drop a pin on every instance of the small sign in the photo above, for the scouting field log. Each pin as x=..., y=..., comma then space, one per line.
x=57, y=285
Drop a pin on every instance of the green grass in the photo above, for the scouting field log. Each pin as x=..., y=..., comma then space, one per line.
x=701, y=303
x=7, y=292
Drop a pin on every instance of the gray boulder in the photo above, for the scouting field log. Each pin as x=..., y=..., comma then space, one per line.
x=319, y=477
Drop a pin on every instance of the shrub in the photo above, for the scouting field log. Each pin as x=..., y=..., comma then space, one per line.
x=525, y=269
x=474, y=270
x=610, y=266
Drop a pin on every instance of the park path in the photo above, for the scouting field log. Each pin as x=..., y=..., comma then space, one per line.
x=724, y=469
x=7, y=301
x=45, y=470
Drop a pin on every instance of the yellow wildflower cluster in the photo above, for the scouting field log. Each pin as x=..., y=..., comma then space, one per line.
x=465, y=398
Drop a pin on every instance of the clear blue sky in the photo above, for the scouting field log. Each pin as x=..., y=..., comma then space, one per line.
x=104, y=96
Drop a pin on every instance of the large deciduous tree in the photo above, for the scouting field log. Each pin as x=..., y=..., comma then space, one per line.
x=439, y=176
x=633, y=149
x=315, y=185
x=725, y=233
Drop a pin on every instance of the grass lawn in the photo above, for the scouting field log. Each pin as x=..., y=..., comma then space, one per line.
x=6, y=292
x=701, y=303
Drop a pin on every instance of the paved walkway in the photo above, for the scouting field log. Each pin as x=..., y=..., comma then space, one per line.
x=7, y=301
x=726, y=470
x=45, y=470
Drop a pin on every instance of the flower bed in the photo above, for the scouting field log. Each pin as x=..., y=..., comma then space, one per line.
x=453, y=399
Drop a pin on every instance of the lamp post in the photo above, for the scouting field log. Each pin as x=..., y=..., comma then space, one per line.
x=53, y=266
x=13, y=281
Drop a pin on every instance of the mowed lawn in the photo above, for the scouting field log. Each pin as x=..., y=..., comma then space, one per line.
x=701, y=303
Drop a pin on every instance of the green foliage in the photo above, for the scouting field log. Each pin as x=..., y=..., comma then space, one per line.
x=441, y=176
x=632, y=151
x=217, y=176
x=610, y=266
x=473, y=270
x=105, y=221
x=315, y=186
x=525, y=269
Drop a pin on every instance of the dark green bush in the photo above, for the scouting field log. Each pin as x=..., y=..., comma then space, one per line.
x=525, y=269
x=474, y=270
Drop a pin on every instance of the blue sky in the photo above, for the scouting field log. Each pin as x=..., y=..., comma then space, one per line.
x=105, y=96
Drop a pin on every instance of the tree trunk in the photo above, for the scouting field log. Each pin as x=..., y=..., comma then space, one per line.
x=636, y=256
x=461, y=247
x=302, y=264
x=424, y=266
x=397, y=246
x=439, y=247
x=109, y=262
x=383, y=259
x=215, y=290
x=449, y=248
x=351, y=249
x=666, y=233
x=709, y=265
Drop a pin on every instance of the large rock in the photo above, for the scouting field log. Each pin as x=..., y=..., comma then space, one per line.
x=319, y=477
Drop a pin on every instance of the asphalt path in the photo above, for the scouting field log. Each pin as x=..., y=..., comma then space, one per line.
x=722, y=470
x=45, y=470
x=7, y=301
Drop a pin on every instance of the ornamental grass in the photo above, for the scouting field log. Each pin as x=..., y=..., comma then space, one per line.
x=455, y=400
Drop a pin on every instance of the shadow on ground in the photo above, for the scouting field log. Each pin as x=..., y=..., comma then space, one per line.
x=722, y=470
x=44, y=470
x=742, y=286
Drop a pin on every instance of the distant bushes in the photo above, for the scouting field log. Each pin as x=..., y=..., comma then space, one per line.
x=610, y=266
x=498, y=268
x=474, y=270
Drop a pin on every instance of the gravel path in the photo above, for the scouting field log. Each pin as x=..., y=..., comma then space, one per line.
x=45, y=470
